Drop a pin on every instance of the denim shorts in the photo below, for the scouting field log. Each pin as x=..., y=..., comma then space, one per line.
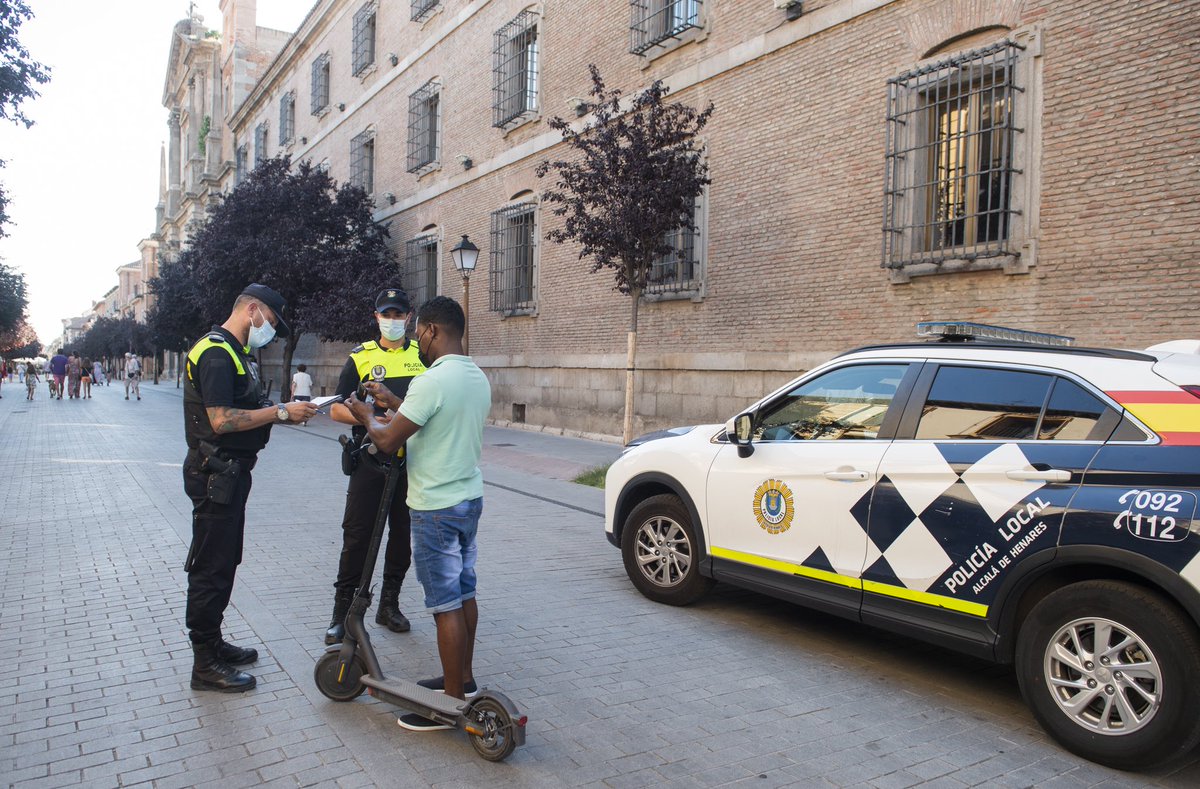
x=444, y=551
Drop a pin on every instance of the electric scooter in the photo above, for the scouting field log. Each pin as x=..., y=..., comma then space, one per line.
x=493, y=723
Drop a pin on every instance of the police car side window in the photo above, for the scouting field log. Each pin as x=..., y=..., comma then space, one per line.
x=843, y=404
x=985, y=404
x=1073, y=414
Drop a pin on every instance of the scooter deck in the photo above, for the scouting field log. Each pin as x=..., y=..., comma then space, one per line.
x=405, y=691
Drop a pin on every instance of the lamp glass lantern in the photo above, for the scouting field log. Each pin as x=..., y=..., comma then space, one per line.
x=465, y=255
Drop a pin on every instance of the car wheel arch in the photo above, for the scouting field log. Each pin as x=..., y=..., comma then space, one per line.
x=652, y=483
x=1076, y=563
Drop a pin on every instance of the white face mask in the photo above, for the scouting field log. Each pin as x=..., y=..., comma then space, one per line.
x=260, y=335
x=392, y=329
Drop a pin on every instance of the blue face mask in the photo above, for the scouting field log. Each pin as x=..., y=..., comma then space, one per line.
x=260, y=335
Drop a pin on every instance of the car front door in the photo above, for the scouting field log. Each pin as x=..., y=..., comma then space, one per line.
x=792, y=516
x=985, y=463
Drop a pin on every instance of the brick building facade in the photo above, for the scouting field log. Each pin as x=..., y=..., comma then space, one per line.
x=874, y=163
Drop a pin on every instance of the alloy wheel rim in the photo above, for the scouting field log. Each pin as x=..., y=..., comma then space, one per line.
x=663, y=551
x=1103, y=676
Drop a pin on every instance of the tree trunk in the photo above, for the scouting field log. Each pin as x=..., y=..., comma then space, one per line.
x=285, y=383
x=635, y=296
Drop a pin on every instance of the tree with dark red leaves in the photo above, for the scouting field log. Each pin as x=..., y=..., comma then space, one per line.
x=630, y=182
x=292, y=229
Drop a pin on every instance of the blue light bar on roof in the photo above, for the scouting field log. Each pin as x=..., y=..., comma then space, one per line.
x=947, y=331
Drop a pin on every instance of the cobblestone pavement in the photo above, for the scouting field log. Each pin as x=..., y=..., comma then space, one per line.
x=620, y=692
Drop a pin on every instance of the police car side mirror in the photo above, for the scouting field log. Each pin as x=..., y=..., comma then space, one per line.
x=739, y=430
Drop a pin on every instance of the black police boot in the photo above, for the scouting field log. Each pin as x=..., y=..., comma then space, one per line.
x=389, y=614
x=210, y=672
x=337, y=625
x=235, y=656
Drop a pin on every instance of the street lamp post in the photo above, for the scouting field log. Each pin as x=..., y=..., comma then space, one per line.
x=465, y=255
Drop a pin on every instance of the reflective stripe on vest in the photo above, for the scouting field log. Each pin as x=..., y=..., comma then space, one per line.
x=207, y=342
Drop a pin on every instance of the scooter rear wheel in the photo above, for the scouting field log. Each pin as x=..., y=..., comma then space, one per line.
x=497, y=742
x=336, y=684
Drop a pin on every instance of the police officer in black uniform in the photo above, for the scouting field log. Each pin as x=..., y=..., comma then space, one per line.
x=393, y=361
x=226, y=422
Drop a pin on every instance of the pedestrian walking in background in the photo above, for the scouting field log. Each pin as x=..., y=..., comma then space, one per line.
x=3, y=373
x=98, y=373
x=74, y=373
x=302, y=384
x=441, y=418
x=31, y=380
x=85, y=377
x=133, y=375
x=226, y=424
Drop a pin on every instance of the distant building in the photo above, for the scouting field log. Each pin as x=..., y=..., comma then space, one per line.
x=874, y=163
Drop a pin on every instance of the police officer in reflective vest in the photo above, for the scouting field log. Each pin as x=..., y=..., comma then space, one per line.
x=226, y=422
x=393, y=361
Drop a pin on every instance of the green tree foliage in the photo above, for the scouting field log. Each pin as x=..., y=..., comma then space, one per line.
x=630, y=181
x=19, y=76
x=292, y=229
x=109, y=338
x=175, y=320
x=13, y=298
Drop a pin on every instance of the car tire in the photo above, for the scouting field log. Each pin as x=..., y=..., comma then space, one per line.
x=661, y=552
x=1131, y=719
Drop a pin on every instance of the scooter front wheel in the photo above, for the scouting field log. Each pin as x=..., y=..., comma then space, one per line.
x=495, y=740
x=338, y=681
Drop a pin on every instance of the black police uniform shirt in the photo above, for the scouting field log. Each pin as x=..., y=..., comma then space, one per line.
x=400, y=365
x=212, y=380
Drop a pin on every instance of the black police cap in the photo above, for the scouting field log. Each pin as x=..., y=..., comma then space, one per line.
x=274, y=301
x=393, y=299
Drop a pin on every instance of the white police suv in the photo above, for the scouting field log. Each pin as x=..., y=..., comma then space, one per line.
x=998, y=492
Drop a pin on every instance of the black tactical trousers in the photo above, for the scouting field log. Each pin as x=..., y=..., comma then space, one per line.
x=216, y=549
x=362, y=504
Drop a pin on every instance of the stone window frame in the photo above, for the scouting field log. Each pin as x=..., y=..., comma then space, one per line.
x=693, y=288
x=362, y=160
x=261, y=133
x=423, y=9
x=363, y=38
x=425, y=128
x=287, y=119
x=240, y=160
x=421, y=264
x=516, y=71
x=505, y=289
x=902, y=215
x=657, y=27
x=319, y=97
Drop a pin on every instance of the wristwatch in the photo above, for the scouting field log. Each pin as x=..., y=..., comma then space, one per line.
x=282, y=413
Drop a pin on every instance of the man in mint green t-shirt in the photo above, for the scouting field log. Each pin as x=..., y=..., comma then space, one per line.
x=441, y=418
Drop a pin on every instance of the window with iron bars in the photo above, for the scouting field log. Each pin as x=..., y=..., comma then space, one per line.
x=419, y=274
x=362, y=161
x=515, y=71
x=240, y=158
x=512, y=273
x=423, y=9
x=287, y=118
x=260, y=143
x=679, y=273
x=656, y=22
x=320, y=84
x=364, y=38
x=950, y=171
x=424, y=112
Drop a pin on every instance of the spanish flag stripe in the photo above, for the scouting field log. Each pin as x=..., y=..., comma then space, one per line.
x=1174, y=396
x=1180, y=439
x=1165, y=418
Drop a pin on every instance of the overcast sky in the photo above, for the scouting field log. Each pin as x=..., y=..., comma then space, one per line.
x=83, y=182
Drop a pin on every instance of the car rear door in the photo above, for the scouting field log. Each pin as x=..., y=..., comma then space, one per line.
x=791, y=517
x=986, y=461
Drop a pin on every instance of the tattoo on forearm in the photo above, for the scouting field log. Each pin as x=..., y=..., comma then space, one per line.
x=229, y=420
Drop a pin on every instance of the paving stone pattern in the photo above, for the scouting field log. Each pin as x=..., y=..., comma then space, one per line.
x=620, y=692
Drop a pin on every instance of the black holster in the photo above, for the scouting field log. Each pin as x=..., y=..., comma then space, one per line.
x=222, y=474
x=350, y=446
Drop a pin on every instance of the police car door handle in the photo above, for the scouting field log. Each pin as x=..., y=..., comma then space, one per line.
x=847, y=474
x=1032, y=475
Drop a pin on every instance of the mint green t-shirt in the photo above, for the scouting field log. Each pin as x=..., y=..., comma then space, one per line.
x=450, y=401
